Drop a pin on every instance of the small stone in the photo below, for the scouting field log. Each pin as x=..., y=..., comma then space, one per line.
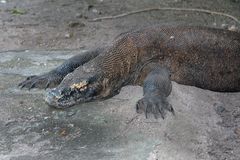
x=225, y=26
x=61, y=113
x=219, y=108
x=94, y=10
x=69, y=114
x=237, y=131
x=83, y=146
x=79, y=15
x=71, y=125
x=56, y=128
x=45, y=132
x=68, y=35
x=232, y=28
x=45, y=118
x=56, y=117
x=3, y=1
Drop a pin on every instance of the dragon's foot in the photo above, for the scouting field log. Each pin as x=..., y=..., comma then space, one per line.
x=154, y=104
x=48, y=80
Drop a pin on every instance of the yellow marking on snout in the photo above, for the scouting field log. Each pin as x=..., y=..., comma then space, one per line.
x=81, y=85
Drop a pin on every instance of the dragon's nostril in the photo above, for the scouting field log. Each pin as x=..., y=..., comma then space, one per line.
x=52, y=96
x=56, y=93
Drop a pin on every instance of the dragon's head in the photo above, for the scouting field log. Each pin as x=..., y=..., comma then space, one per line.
x=77, y=87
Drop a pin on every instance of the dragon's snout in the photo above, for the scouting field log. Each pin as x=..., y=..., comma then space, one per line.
x=53, y=96
x=68, y=96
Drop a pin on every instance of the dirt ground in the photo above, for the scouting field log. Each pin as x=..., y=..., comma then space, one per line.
x=207, y=125
x=64, y=24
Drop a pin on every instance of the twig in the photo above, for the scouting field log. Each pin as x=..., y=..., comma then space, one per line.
x=167, y=8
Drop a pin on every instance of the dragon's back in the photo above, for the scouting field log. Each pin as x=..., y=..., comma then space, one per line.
x=204, y=57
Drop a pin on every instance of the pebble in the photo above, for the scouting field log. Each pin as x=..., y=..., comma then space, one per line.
x=94, y=10
x=71, y=113
x=45, y=118
x=219, y=108
x=225, y=26
x=71, y=125
x=237, y=131
x=78, y=15
x=68, y=35
x=232, y=28
x=3, y=1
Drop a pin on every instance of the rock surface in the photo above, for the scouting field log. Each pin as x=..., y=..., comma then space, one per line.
x=206, y=125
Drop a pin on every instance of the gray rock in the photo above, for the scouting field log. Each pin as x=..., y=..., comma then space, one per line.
x=110, y=129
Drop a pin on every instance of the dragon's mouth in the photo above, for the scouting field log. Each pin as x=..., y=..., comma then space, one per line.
x=69, y=96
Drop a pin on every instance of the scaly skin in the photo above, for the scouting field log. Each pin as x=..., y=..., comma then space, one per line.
x=198, y=56
x=157, y=87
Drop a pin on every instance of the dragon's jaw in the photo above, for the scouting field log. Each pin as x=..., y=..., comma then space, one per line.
x=67, y=96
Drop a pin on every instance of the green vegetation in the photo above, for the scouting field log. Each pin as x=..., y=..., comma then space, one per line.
x=18, y=11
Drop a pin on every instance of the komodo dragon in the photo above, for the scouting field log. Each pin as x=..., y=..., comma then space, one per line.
x=198, y=56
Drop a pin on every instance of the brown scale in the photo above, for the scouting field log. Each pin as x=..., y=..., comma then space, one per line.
x=198, y=56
